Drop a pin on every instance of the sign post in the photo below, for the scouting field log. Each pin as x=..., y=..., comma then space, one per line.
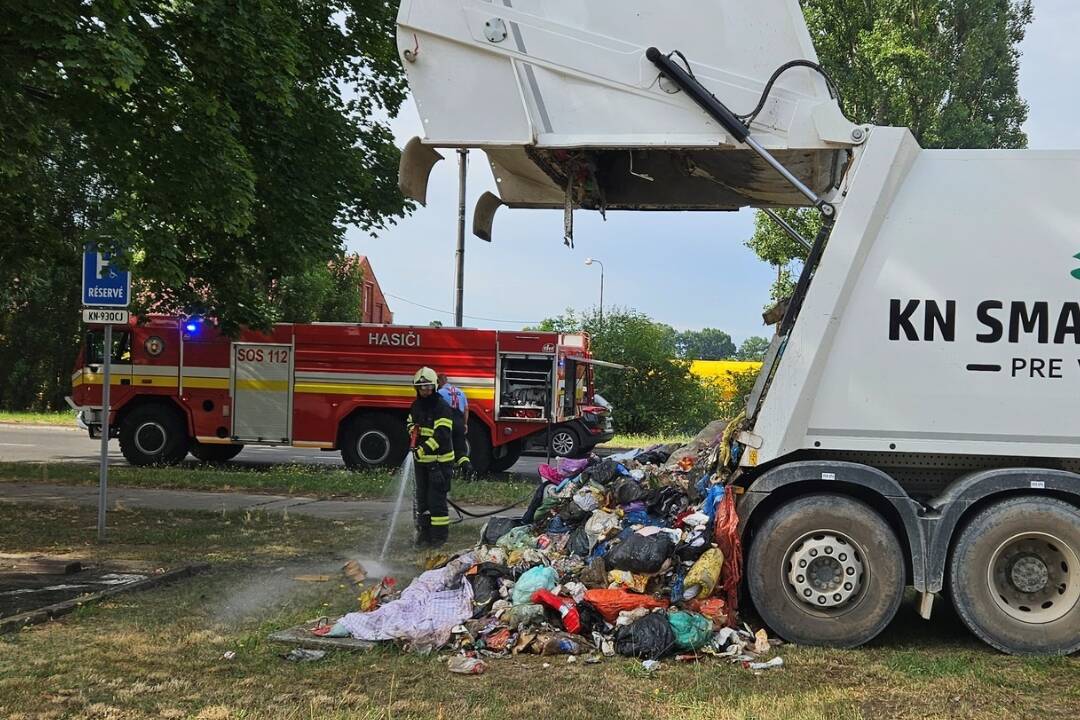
x=106, y=294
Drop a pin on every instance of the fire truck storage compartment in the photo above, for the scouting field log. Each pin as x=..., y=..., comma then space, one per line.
x=262, y=389
x=525, y=387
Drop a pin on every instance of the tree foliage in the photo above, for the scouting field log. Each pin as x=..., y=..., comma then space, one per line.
x=658, y=393
x=753, y=349
x=707, y=344
x=946, y=69
x=221, y=148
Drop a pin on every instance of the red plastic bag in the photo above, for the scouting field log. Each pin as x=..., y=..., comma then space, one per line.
x=713, y=608
x=730, y=543
x=610, y=603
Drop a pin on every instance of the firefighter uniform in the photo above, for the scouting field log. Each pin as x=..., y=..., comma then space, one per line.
x=431, y=427
x=459, y=410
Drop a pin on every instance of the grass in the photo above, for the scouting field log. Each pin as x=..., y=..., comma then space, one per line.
x=65, y=418
x=646, y=440
x=277, y=479
x=158, y=654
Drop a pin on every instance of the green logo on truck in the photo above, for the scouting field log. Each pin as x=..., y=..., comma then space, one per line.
x=1076, y=273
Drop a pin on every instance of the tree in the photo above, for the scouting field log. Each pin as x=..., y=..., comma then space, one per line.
x=435, y=324
x=947, y=69
x=753, y=348
x=658, y=393
x=326, y=293
x=707, y=344
x=219, y=148
x=214, y=136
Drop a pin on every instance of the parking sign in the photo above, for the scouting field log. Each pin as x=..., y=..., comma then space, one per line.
x=104, y=285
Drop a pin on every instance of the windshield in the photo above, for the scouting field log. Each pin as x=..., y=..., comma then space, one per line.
x=121, y=346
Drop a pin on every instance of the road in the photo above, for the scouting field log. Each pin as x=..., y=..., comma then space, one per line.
x=40, y=443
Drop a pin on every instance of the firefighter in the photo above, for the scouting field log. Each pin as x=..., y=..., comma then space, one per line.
x=431, y=431
x=459, y=409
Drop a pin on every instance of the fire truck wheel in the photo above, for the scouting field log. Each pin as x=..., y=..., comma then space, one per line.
x=826, y=570
x=503, y=458
x=1014, y=576
x=214, y=453
x=153, y=435
x=565, y=442
x=479, y=444
x=374, y=440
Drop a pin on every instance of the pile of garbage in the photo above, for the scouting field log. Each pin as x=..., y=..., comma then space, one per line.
x=636, y=554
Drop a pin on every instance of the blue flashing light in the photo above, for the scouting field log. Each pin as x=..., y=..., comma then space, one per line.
x=192, y=326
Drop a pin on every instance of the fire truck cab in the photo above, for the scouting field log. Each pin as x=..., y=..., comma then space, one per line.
x=180, y=386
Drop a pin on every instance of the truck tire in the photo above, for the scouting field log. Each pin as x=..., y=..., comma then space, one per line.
x=854, y=579
x=564, y=442
x=374, y=440
x=1014, y=576
x=504, y=457
x=153, y=435
x=478, y=439
x=214, y=453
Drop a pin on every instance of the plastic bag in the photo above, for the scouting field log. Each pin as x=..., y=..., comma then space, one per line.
x=713, y=608
x=641, y=555
x=629, y=580
x=627, y=491
x=651, y=637
x=693, y=547
x=611, y=602
x=486, y=582
x=730, y=543
x=581, y=543
x=537, y=578
x=519, y=538
x=692, y=631
x=524, y=615
x=602, y=473
x=466, y=665
x=573, y=514
x=497, y=527
x=702, y=578
x=602, y=524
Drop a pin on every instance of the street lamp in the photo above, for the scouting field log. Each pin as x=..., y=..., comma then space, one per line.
x=590, y=261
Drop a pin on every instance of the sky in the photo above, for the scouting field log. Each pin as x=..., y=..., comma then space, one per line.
x=689, y=270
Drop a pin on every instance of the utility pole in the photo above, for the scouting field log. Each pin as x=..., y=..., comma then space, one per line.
x=459, y=279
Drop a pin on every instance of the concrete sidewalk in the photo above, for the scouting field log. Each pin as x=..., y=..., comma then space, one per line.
x=143, y=498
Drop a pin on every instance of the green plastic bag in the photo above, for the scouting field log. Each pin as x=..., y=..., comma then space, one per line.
x=692, y=631
x=540, y=577
x=520, y=538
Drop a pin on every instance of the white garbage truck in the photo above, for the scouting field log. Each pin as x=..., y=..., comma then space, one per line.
x=913, y=424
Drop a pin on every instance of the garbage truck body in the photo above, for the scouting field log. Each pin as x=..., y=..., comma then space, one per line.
x=178, y=385
x=912, y=425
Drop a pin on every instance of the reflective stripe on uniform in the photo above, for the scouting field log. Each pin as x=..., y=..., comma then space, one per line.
x=432, y=443
x=427, y=432
x=446, y=457
x=440, y=521
x=463, y=459
x=444, y=422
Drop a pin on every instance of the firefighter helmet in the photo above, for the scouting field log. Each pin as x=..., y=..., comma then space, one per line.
x=425, y=376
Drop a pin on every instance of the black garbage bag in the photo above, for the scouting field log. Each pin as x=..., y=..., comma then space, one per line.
x=650, y=638
x=580, y=543
x=656, y=456
x=485, y=582
x=641, y=554
x=496, y=527
x=628, y=490
x=668, y=502
x=693, y=546
x=591, y=620
x=573, y=514
x=603, y=472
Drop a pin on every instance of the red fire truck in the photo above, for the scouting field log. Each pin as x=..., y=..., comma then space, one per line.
x=180, y=386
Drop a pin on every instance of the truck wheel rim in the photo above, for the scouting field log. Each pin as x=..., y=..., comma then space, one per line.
x=373, y=446
x=150, y=438
x=825, y=571
x=562, y=443
x=1034, y=577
